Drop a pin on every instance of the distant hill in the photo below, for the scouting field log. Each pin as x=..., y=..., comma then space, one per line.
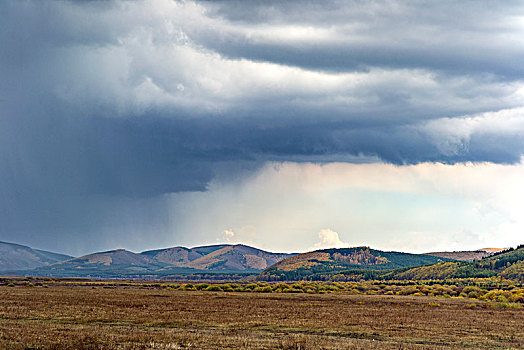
x=467, y=255
x=359, y=262
x=19, y=257
x=443, y=270
x=494, y=250
x=364, y=263
x=217, y=257
x=503, y=259
x=507, y=263
x=121, y=263
x=110, y=258
x=110, y=264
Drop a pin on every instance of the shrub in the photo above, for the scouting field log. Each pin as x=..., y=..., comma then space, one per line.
x=251, y=286
x=501, y=299
x=227, y=288
x=517, y=298
x=329, y=288
x=214, y=288
x=473, y=295
x=279, y=287
x=469, y=289
x=408, y=291
x=187, y=286
x=201, y=286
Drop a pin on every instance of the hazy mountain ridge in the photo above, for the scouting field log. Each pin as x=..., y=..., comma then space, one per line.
x=175, y=255
x=163, y=262
x=221, y=257
x=111, y=264
x=110, y=258
x=467, y=255
x=19, y=257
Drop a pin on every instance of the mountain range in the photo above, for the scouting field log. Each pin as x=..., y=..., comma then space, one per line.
x=468, y=255
x=327, y=264
x=20, y=257
x=122, y=263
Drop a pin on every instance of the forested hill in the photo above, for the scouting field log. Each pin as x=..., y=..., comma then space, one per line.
x=507, y=264
x=362, y=263
x=322, y=264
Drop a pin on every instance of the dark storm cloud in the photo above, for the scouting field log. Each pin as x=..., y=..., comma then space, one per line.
x=152, y=155
x=107, y=106
x=456, y=37
x=362, y=56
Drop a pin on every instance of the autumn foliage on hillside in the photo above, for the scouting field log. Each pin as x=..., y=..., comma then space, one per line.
x=356, y=264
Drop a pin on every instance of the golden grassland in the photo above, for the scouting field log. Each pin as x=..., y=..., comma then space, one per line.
x=139, y=315
x=505, y=293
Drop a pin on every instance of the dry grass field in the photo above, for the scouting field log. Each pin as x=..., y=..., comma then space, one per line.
x=73, y=317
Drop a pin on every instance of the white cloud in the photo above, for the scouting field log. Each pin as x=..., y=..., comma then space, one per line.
x=241, y=234
x=329, y=239
x=228, y=235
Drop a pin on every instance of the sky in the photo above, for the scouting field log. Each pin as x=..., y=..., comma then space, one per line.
x=288, y=126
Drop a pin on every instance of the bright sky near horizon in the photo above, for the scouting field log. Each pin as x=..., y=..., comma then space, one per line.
x=288, y=126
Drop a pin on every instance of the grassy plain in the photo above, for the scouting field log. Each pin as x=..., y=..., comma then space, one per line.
x=124, y=317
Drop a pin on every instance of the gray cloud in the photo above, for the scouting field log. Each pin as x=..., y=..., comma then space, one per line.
x=107, y=106
x=460, y=38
